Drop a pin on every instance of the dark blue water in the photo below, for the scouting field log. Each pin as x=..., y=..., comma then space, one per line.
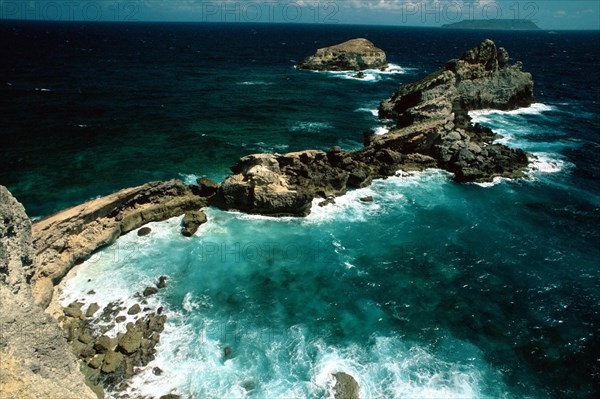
x=435, y=290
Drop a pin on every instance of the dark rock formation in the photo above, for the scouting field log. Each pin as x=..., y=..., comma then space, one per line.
x=63, y=239
x=162, y=282
x=144, y=231
x=353, y=55
x=433, y=130
x=35, y=359
x=207, y=187
x=345, y=387
x=432, y=114
x=192, y=222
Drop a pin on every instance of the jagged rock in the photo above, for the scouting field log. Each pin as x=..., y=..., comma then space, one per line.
x=367, y=199
x=157, y=371
x=92, y=309
x=433, y=130
x=192, y=221
x=345, y=387
x=35, y=359
x=170, y=396
x=134, y=309
x=63, y=239
x=144, y=231
x=120, y=319
x=150, y=291
x=280, y=185
x=354, y=55
x=432, y=114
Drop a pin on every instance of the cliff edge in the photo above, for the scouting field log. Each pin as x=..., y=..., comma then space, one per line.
x=35, y=359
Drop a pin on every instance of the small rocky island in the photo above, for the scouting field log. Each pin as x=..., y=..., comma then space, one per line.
x=494, y=24
x=42, y=356
x=353, y=55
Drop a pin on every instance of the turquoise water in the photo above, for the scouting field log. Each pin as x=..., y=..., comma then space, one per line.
x=422, y=293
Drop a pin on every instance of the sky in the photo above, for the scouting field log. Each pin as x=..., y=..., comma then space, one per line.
x=547, y=14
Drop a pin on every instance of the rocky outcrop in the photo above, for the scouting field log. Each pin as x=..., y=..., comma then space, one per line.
x=280, y=185
x=192, y=221
x=63, y=239
x=433, y=129
x=345, y=386
x=35, y=359
x=353, y=55
x=432, y=114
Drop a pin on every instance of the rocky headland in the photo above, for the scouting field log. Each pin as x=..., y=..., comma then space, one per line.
x=432, y=129
x=353, y=55
x=65, y=238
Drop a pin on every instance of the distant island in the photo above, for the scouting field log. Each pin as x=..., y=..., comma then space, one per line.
x=494, y=24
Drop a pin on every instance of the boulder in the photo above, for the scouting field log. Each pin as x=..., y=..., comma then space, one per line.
x=192, y=221
x=134, y=309
x=148, y=291
x=112, y=362
x=207, y=187
x=353, y=55
x=345, y=386
x=162, y=282
x=104, y=344
x=144, y=231
x=130, y=342
x=92, y=309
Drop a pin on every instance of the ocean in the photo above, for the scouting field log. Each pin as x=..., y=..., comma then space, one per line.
x=434, y=290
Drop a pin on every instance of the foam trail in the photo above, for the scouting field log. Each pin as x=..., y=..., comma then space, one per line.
x=483, y=116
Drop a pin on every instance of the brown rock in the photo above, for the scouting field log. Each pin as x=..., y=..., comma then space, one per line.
x=130, y=342
x=192, y=222
x=92, y=309
x=104, y=344
x=112, y=362
x=135, y=309
x=96, y=361
x=345, y=387
x=207, y=187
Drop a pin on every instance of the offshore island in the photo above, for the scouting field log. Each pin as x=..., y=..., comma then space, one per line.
x=45, y=356
x=494, y=24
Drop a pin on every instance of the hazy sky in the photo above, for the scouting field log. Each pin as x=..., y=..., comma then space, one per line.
x=548, y=14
